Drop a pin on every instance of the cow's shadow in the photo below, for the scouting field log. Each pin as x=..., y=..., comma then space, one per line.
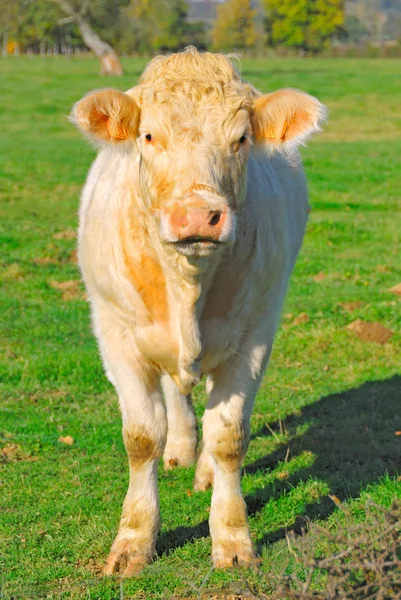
x=352, y=436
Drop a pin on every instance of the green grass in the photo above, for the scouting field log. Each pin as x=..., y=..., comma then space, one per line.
x=326, y=414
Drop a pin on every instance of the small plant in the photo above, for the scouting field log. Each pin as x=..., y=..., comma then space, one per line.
x=365, y=562
x=355, y=562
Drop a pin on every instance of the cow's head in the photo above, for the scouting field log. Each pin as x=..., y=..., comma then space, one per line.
x=193, y=121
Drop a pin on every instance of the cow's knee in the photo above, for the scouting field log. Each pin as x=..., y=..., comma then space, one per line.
x=143, y=446
x=227, y=444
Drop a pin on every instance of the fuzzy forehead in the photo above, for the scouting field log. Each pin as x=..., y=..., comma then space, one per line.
x=187, y=123
x=195, y=75
x=192, y=93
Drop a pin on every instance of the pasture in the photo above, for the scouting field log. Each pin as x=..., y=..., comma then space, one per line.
x=326, y=416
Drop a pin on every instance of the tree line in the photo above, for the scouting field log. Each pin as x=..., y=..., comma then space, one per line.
x=111, y=27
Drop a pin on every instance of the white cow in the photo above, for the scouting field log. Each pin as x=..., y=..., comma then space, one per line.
x=191, y=220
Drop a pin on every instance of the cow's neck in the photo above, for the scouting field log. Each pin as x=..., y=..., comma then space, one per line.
x=189, y=281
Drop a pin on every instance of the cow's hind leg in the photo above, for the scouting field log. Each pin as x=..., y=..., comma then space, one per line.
x=144, y=433
x=182, y=433
x=204, y=474
x=225, y=438
x=205, y=466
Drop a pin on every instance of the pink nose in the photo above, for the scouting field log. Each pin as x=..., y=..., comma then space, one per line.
x=197, y=223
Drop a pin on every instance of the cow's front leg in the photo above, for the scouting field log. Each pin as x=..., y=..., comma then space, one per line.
x=226, y=438
x=144, y=433
x=182, y=433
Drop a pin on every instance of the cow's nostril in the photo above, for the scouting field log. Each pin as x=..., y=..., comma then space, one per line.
x=215, y=219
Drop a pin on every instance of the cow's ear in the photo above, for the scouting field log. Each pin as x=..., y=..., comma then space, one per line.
x=107, y=116
x=286, y=118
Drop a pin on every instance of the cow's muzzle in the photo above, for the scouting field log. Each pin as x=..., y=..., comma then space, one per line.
x=198, y=230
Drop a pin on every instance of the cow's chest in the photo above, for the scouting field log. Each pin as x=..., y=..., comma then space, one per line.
x=202, y=330
x=225, y=316
x=160, y=345
x=197, y=341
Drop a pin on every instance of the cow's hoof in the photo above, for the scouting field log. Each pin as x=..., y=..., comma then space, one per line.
x=124, y=559
x=235, y=553
x=178, y=455
x=203, y=483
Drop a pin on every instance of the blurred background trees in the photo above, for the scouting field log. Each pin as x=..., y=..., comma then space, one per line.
x=306, y=25
x=235, y=27
x=253, y=27
x=89, y=16
x=159, y=25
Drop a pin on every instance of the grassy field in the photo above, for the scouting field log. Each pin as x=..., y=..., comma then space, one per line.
x=327, y=413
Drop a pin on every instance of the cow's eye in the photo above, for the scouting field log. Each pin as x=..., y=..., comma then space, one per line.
x=242, y=139
x=148, y=137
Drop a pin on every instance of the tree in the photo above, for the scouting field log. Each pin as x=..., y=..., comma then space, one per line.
x=378, y=17
x=80, y=14
x=197, y=35
x=235, y=28
x=307, y=25
x=10, y=11
x=35, y=26
x=172, y=25
x=159, y=24
x=353, y=31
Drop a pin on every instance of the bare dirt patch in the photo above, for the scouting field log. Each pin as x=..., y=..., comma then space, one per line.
x=67, y=234
x=319, y=277
x=70, y=289
x=301, y=319
x=45, y=260
x=14, y=453
x=370, y=332
x=13, y=272
x=67, y=439
x=396, y=289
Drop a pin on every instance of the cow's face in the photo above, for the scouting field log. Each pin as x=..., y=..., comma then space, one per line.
x=193, y=166
x=193, y=140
